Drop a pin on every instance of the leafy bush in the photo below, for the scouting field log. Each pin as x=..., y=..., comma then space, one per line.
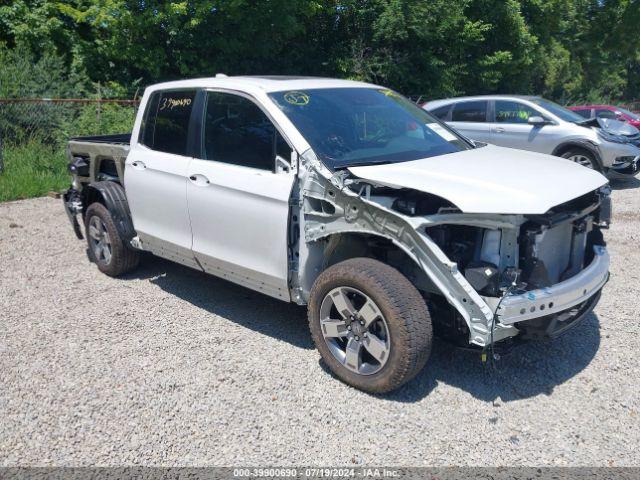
x=24, y=75
x=32, y=170
x=100, y=119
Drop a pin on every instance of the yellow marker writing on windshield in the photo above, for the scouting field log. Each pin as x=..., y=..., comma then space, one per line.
x=297, y=98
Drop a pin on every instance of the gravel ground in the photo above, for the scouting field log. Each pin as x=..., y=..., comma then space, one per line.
x=169, y=366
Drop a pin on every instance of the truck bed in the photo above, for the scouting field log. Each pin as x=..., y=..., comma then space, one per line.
x=104, y=154
x=119, y=138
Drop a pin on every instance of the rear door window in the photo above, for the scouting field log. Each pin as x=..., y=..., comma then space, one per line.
x=441, y=112
x=166, y=122
x=473, y=111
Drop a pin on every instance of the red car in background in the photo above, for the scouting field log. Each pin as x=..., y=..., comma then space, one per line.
x=608, y=111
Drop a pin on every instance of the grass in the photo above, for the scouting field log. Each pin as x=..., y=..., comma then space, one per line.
x=32, y=170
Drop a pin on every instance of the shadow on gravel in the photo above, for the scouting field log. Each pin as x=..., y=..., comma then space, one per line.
x=625, y=183
x=528, y=370
x=245, y=307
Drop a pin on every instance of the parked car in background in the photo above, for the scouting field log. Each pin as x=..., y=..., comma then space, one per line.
x=607, y=111
x=347, y=197
x=536, y=124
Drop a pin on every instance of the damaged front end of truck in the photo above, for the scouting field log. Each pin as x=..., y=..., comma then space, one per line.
x=486, y=277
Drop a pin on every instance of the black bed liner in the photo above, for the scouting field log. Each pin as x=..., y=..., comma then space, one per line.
x=120, y=138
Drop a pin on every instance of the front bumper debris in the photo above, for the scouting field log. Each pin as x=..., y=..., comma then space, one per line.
x=560, y=297
x=626, y=166
x=554, y=325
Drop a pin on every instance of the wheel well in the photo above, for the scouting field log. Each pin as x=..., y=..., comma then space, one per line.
x=342, y=246
x=562, y=149
x=90, y=195
x=113, y=197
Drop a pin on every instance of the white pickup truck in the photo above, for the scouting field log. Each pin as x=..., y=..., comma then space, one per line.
x=348, y=198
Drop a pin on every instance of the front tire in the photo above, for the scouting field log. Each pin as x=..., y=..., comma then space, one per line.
x=582, y=157
x=106, y=248
x=370, y=324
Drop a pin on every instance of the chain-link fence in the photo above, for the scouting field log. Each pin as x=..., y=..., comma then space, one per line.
x=52, y=122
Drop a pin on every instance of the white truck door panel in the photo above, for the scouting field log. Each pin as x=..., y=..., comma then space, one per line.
x=156, y=177
x=239, y=221
x=238, y=206
x=156, y=186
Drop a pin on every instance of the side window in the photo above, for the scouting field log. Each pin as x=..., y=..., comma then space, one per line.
x=149, y=121
x=606, y=114
x=441, y=112
x=586, y=113
x=166, y=122
x=513, y=112
x=475, y=111
x=237, y=131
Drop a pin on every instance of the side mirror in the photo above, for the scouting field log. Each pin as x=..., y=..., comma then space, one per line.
x=537, y=121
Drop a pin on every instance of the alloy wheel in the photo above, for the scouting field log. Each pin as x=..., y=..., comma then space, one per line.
x=355, y=330
x=582, y=160
x=100, y=241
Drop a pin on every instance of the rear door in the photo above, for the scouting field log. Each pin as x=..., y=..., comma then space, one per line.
x=238, y=193
x=470, y=118
x=156, y=176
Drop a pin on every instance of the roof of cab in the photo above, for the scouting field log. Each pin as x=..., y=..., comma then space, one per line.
x=268, y=83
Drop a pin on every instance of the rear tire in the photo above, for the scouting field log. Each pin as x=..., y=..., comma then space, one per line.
x=370, y=324
x=106, y=248
x=582, y=157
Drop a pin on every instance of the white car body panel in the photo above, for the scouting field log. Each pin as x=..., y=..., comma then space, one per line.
x=490, y=179
x=541, y=138
x=156, y=184
x=239, y=223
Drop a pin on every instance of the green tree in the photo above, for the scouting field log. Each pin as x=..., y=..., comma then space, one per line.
x=570, y=50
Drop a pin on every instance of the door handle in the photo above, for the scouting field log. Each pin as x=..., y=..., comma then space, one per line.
x=499, y=130
x=139, y=165
x=199, y=180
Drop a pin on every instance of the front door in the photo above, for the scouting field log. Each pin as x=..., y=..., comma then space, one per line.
x=511, y=127
x=156, y=175
x=238, y=199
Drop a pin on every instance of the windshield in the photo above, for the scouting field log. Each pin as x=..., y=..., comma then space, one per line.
x=558, y=110
x=633, y=116
x=360, y=126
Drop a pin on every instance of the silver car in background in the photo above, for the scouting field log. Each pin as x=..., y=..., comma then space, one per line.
x=536, y=124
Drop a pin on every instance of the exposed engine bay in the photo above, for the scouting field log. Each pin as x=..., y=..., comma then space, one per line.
x=487, y=277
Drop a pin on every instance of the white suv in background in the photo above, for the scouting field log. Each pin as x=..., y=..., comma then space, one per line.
x=536, y=124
